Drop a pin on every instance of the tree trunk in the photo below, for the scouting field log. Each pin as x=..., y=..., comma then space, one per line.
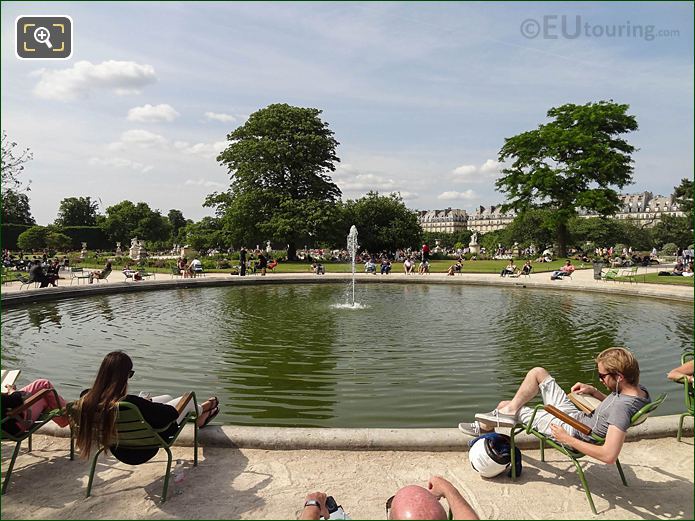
x=562, y=234
x=291, y=251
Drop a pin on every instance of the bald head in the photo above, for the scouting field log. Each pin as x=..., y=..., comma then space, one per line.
x=414, y=502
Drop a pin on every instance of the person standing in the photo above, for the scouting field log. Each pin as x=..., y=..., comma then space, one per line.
x=242, y=262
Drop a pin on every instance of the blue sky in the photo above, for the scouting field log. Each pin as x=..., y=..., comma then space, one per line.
x=419, y=95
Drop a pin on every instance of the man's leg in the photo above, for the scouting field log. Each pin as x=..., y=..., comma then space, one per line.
x=528, y=389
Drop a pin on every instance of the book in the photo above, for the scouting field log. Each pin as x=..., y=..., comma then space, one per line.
x=585, y=402
x=8, y=379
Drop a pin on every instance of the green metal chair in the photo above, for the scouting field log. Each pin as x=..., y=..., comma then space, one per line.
x=26, y=435
x=639, y=417
x=610, y=274
x=135, y=433
x=689, y=396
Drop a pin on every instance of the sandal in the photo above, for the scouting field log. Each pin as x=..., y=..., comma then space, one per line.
x=212, y=413
x=215, y=402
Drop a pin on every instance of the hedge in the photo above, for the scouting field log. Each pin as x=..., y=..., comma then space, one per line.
x=10, y=232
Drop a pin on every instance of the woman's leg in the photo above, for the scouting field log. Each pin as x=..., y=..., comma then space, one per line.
x=47, y=403
x=188, y=408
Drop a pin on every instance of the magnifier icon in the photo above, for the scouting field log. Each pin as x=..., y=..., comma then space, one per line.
x=43, y=35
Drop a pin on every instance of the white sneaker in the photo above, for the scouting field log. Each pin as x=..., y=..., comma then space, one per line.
x=496, y=418
x=472, y=429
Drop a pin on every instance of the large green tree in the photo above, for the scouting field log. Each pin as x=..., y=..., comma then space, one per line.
x=127, y=220
x=13, y=197
x=77, y=211
x=279, y=162
x=572, y=162
x=177, y=222
x=673, y=229
x=383, y=222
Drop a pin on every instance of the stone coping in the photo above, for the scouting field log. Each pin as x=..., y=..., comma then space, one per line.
x=581, y=282
x=427, y=439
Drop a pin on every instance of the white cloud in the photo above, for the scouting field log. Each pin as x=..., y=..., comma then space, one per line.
x=204, y=182
x=121, y=77
x=119, y=162
x=473, y=173
x=139, y=137
x=153, y=113
x=220, y=116
x=465, y=170
x=490, y=166
x=207, y=150
x=453, y=196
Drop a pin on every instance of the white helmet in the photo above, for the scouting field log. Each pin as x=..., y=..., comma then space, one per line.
x=486, y=461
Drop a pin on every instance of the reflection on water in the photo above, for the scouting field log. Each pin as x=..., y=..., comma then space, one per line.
x=417, y=356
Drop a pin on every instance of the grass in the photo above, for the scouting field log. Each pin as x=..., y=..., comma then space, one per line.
x=436, y=266
x=653, y=278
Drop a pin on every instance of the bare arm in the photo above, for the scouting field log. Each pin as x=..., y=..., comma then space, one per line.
x=679, y=372
x=460, y=508
x=588, y=389
x=607, y=453
x=314, y=512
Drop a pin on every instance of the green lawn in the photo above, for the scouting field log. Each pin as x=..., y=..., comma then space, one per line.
x=653, y=278
x=436, y=266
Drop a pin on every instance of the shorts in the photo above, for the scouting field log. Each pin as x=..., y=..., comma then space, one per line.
x=552, y=394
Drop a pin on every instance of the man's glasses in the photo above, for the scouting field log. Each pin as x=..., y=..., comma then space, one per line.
x=131, y=373
x=389, y=502
x=601, y=376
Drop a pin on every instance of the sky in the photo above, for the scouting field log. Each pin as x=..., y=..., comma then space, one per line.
x=420, y=96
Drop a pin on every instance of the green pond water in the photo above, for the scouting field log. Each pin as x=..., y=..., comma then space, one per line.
x=285, y=355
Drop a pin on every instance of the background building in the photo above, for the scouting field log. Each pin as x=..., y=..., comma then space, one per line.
x=644, y=209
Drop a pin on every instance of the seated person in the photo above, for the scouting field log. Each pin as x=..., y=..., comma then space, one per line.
x=385, y=266
x=272, y=264
x=131, y=274
x=424, y=267
x=37, y=274
x=182, y=265
x=369, y=266
x=526, y=269
x=100, y=274
x=509, y=269
x=678, y=271
x=195, y=267
x=408, y=266
x=688, y=271
x=454, y=268
x=566, y=270
x=617, y=369
x=24, y=420
x=409, y=502
x=682, y=371
x=318, y=268
x=94, y=413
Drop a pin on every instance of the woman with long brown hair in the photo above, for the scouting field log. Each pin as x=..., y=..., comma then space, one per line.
x=94, y=414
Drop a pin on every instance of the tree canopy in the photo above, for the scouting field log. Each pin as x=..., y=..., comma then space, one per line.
x=383, y=222
x=279, y=162
x=77, y=211
x=127, y=220
x=13, y=197
x=569, y=163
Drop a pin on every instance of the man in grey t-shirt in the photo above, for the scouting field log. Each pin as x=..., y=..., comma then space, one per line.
x=618, y=370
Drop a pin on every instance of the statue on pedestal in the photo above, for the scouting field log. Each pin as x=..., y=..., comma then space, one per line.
x=119, y=251
x=473, y=246
x=137, y=250
x=83, y=253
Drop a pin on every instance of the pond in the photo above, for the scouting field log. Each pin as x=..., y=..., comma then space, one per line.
x=284, y=355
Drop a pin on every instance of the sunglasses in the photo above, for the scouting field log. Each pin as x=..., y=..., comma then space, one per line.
x=389, y=502
x=131, y=373
x=601, y=376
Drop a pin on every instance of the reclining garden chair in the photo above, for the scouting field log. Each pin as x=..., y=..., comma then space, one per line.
x=135, y=433
x=689, y=397
x=40, y=422
x=639, y=417
x=610, y=274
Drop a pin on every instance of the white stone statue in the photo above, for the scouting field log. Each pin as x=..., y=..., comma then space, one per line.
x=119, y=251
x=268, y=248
x=474, y=238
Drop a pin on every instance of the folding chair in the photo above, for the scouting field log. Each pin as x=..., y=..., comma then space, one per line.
x=570, y=452
x=689, y=397
x=36, y=425
x=135, y=433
